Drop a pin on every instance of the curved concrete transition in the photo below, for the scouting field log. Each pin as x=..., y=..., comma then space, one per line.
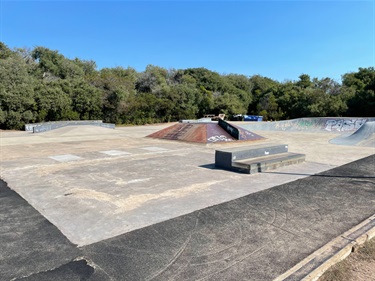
x=201, y=132
x=364, y=136
x=317, y=124
x=352, y=131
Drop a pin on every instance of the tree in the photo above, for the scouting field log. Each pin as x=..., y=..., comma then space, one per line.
x=5, y=52
x=43, y=85
x=86, y=100
x=210, y=80
x=304, y=81
x=185, y=102
x=229, y=105
x=260, y=86
x=240, y=86
x=16, y=93
x=362, y=85
x=88, y=66
x=153, y=80
x=54, y=102
x=116, y=85
x=51, y=63
x=269, y=108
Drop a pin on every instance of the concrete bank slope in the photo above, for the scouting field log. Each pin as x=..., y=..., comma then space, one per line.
x=256, y=237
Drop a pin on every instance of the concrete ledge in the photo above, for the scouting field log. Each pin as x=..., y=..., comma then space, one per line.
x=254, y=159
x=47, y=126
x=262, y=164
x=312, y=267
x=225, y=157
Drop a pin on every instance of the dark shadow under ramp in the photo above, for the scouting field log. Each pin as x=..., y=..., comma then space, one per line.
x=364, y=136
x=256, y=237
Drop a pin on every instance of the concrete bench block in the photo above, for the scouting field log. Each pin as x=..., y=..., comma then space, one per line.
x=224, y=158
x=254, y=159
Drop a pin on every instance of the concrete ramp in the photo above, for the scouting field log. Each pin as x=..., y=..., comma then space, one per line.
x=76, y=131
x=210, y=132
x=364, y=136
x=48, y=126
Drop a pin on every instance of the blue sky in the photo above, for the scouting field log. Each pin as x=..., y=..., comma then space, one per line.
x=277, y=39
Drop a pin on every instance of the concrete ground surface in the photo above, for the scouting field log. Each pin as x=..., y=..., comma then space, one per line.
x=103, y=204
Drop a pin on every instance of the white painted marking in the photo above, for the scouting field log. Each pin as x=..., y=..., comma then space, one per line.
x=115, y=152
x=154, y=148
x=65, y=157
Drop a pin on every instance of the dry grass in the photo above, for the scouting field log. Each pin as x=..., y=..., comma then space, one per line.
x=352, y=268
x=367, y=252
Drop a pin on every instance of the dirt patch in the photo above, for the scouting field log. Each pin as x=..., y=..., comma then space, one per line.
x=135, y=201
x=359, y=266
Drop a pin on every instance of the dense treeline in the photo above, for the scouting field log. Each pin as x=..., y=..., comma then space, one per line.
x=42, y=85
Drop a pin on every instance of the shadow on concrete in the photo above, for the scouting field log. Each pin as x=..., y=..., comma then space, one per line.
x=209, y=166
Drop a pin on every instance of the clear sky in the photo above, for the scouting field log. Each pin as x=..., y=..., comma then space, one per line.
x=277, y=39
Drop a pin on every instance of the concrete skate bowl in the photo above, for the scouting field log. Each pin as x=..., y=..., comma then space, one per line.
x=364, y=136
x=48, y=126
x=336, y=125
x=210, y=132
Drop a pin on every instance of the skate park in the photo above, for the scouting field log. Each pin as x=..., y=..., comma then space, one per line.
x=149, y=203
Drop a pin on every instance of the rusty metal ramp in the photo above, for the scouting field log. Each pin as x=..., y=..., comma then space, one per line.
x=210, y=132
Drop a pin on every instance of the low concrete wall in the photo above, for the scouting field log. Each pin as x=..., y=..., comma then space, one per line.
x=230, y=129
x=47, y=126
x=318, y=124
